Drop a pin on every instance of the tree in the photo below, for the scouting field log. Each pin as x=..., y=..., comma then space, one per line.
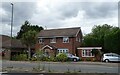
x=112, y=40
x=106, y=36
x=89, y=40
x=26, y=27
x=29, y=39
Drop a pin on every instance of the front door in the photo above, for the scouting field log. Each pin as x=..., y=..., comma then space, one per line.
x=47, y=52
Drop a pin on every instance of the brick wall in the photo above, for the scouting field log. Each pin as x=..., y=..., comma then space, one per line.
x=72, y=45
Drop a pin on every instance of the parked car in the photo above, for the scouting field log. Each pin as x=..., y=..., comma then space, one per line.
x=41, y=55
x=72, y=57
x=111, y=57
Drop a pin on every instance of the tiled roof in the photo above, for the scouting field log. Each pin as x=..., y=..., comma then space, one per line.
x=6, y=42
x=71, y=32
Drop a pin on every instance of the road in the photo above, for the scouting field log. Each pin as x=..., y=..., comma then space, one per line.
x=84, y=67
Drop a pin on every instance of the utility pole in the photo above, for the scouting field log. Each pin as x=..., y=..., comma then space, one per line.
x=11, y=29
x=12, y=20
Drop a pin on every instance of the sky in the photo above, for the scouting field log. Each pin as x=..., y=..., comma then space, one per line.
x=54, y=14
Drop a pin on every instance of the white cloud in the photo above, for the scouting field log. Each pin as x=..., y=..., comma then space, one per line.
x=63, y=14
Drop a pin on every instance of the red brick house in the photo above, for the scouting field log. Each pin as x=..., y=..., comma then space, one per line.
x=54, y=41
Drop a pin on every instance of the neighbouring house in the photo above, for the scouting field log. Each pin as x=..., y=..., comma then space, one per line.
x=11, y=47
x=87, y=54
x=54, y=41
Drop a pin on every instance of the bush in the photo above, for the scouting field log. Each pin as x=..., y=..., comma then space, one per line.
x=54, y=59
x=61, y=57
x=94, y=59
x=33, y=59
x=88, y=59
x=21, y=57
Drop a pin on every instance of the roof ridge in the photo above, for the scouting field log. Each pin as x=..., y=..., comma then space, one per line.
x=59, y=32
x=63, y=28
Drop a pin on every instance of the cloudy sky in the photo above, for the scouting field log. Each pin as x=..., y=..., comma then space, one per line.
x=58, y=14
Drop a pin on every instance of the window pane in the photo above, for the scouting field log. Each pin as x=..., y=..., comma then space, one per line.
x=40, y=40
x=53, y=40
x=65, y=39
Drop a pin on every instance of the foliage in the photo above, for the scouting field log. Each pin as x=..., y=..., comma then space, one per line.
x=40, y=56
x=105, y=36
x=95, y=52
x=27, y=34
x=88, y=59
x=29, y=39
x=61, y=57
x=20, y=57
x=54, y=59
x=112, y=41
x=27, y=27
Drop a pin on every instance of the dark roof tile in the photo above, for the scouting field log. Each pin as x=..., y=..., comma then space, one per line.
x=59, y=32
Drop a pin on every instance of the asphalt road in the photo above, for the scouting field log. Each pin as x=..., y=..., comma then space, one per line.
x=84, y=67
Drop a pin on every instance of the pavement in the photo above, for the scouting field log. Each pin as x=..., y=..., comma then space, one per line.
x=80, y=62
x=92, y=67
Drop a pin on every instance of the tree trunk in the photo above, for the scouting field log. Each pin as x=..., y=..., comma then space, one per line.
x=29, y=52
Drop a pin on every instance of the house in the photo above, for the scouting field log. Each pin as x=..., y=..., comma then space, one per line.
x=87, y=54
x=64, y=40
x=11, y=47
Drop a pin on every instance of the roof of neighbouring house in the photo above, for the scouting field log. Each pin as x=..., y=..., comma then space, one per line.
x=71, y=32
x=6, y=42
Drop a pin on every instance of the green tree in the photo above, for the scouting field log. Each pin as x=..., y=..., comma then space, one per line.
x=26, y=27
x=106, y=36
x=112, y=40
x=29, y=39
x=89, y=40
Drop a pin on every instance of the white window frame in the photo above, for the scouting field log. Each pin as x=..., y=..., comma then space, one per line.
x=85, y=51
x=79, y=39
x=76, y=38
x=63, y=50
x=41, y=40
x=53, y=40
x=65, y=39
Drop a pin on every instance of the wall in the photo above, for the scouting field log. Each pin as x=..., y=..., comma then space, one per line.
x=72, y=45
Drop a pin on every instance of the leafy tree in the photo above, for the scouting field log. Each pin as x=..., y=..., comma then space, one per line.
x=26, y=27
x=112, y=40
x=89, y=40
x=29, y=39
x=106, y=36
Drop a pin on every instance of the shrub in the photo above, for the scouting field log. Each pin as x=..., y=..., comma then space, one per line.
x=21, y=57
x=94, y=59
x=88, y=59
x=33, y=59
x=54, y=59
x=61, y=57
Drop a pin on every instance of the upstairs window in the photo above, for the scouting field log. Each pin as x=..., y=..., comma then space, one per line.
x=65, y=40
x=78, y=39
x=53, y=40
x=40, y=40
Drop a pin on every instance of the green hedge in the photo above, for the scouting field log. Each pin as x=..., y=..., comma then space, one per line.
x=20, y=57
x=61, y=57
